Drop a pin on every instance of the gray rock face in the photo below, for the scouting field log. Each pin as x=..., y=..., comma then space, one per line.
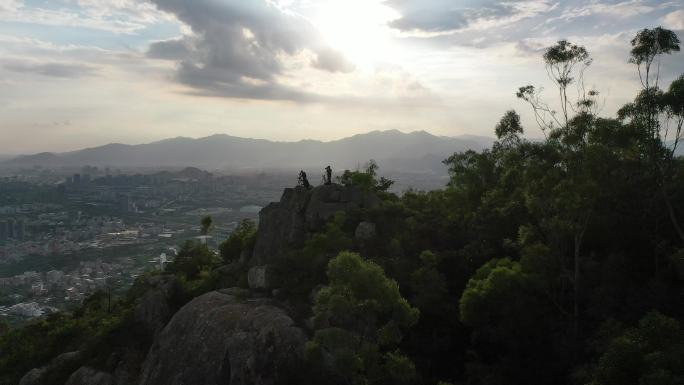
x=33, y=377
x=61, y=362
x=327, y=200
x=365, y=231
x=90, y=376
x=218, y=339
x=259, y=278
x=286, y=224
x=281, y=224
x=153, y=310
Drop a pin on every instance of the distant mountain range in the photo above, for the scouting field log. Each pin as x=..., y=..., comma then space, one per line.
x=415, y=152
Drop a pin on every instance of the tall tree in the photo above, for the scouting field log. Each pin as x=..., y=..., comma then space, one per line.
x=648, y=47
x=569, y=209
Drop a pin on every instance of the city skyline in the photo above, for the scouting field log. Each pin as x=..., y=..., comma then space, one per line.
x=83, y=73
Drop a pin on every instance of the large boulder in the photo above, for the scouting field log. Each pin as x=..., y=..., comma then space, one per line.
x=153, y=310
x=260, y=278
x=220, y=339
x=64, y=363
x=89, y=376
x=287, y=224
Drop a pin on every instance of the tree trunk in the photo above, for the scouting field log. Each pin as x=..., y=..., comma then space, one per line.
x=673, y=215
x=578, y=243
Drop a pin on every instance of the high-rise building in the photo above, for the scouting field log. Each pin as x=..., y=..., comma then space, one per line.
x=19, y=230
x=10, y=228
x=124, y=203
x=4, y=230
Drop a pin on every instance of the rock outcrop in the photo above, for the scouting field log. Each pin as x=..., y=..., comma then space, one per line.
x=287, y=224
x=220, y=339
x=365, y=231
x=259, y=278
x=62, y=363
x=154, y=311
x=89, y=376
x=281, y=224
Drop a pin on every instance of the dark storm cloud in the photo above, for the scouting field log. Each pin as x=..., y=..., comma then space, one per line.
x=58, y=70
x=237, y=47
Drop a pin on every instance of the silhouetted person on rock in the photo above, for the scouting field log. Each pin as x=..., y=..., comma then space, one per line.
x=328, y=175
x=303, y=180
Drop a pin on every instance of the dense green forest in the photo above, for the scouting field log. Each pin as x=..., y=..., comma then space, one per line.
x=557, y=261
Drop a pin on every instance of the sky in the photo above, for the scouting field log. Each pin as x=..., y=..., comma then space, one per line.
x=82, y=73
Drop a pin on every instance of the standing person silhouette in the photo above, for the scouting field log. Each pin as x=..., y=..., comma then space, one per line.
x=303, y=180
x=328, y=175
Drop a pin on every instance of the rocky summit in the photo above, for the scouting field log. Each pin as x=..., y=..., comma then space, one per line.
x=287, y=224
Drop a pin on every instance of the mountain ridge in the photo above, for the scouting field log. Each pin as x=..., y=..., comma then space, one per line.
x=222, y=150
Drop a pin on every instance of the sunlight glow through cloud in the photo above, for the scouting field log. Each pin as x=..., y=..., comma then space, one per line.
x=358, y=28
x=141, y=70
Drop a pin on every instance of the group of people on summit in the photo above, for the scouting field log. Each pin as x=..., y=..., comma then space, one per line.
x=304, y=181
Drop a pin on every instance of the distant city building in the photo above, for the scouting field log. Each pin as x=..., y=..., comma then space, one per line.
x=12, y=229
x=162, y=261
x=31, y=309
x=4, y=230
x=54, y=276
x=19, y=230
x=124, y=203
x=38, y=289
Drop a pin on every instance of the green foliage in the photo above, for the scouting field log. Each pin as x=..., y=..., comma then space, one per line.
x=360, y=319
x=429, y=285
x=302, y=270
x=509, y=127
x=98, y=329
x=565, y=54
x=193, y=259
x=206, y=225
x=366, y=179
x=650, y=354
x=240, y=241
x=674, y=98
x=512, y=318
x=649, y=43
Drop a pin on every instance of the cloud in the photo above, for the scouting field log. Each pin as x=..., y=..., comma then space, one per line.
x=620, y=9
x=119, y=16
x=9, y=5
x=51, y=69
x=434, y=17
x=423, y=16
x=332, y=61
x=239, y=49
x=675, y=20
x=174, y=49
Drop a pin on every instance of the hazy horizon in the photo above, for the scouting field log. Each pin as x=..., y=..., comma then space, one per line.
x=76, y=74
x=10, y=154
